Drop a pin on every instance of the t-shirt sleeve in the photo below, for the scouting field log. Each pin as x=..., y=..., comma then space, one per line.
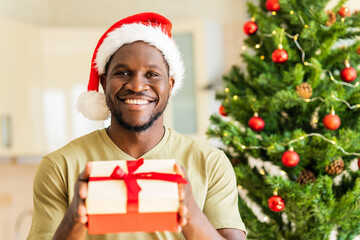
x=221, y=204
x=50, y=201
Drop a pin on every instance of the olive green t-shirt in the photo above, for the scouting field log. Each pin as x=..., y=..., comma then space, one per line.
x=211, y=176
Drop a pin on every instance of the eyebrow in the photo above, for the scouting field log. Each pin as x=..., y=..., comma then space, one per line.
x=120, y=65
x=153, y=66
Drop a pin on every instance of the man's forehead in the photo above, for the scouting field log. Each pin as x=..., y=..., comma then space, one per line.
x=136, y=44
x=131, y=50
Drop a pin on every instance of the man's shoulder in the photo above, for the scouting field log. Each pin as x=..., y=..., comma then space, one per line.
x=180, y=141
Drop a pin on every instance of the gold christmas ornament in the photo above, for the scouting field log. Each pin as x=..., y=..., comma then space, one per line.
x=304, y=90
x=306, y=176
x=331, y=18
x=335, y=167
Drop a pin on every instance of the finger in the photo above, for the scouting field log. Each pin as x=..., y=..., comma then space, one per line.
x=182, y=215
x=182, y=221
x=82, y=214
x=182, y=192
x=179, y=170
x=83, y=190
x=183, y=211
x=84, y=175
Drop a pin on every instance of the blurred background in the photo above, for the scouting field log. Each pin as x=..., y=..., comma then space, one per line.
x=45, y=52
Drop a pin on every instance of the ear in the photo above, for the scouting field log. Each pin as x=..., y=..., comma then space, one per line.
x=171, y=84
x=103, y=81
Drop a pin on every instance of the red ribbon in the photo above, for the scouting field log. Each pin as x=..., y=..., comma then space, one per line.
x=130, y=180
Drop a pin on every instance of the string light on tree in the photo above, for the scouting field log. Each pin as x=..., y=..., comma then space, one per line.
x=256, y=123
x=341, y=82
x=250, y=27
x=301, y=139
x=347, y=104
x=332, y=121
x=290, y=158
x=348, y=74
x=295, y=37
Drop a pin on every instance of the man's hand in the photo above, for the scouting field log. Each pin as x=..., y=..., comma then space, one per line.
x=73, y=225
x=185, y=197
x=192, y=221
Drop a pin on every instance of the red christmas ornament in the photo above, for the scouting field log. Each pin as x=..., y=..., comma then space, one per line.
x=359, y=163
x=272, y=5
x=250, y=28
x=222, y=111
x=332, y=121
x=256, y=123
x=348, y=74
x=290, y=158
x=344, y=12
x=279, y=55
x=276, y=203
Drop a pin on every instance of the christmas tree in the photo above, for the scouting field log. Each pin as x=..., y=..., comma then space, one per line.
x=290, y=121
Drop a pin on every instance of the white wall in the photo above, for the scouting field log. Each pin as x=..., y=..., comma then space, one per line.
x=20, y=70
x=95, y=13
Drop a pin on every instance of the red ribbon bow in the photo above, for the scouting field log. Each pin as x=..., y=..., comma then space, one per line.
x=130, y=180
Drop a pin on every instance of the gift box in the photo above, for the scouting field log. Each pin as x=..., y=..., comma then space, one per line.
x=133, y=196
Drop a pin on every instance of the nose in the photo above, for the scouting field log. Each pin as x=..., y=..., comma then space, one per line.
x=137, y=83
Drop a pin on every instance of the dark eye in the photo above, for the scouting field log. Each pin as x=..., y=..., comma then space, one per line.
x=122, y=73
x=152, y=74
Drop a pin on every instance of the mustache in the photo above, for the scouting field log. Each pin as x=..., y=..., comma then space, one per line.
x=121, y=94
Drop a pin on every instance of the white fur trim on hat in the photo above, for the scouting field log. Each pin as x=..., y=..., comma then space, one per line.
x=154, y=36
x=93, y=105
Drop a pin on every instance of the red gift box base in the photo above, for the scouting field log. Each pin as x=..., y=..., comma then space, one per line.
x=132, y=222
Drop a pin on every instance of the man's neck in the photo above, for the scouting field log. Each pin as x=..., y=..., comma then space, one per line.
x=136, y=144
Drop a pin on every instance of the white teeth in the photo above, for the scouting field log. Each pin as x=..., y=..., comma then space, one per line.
x=136, y=101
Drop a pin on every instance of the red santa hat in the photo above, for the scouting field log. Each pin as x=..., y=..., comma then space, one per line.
x=151, y=28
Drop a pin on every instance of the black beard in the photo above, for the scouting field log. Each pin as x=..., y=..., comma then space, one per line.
x=141, y=128
x=118, y=116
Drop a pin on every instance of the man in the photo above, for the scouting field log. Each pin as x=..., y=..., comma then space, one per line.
x=138, y=66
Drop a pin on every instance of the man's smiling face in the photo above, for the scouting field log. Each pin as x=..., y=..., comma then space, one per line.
x=137, y=85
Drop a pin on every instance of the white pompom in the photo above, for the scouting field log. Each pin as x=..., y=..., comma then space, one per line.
x=93, y=106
